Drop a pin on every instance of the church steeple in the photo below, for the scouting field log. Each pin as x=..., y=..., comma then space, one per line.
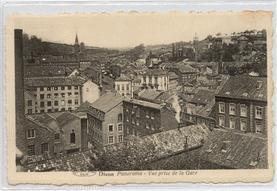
x=76, y=40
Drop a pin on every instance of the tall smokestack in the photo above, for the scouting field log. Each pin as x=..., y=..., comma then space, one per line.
x=19, y=73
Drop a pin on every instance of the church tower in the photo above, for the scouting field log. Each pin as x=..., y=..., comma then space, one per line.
x=76, y=45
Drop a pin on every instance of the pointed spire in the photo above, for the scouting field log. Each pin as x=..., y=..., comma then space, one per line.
x=76, y=39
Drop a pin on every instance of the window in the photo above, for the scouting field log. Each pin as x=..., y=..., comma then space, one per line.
x=69, y=93
x=221, y=121
x=62, y=87
x=30, y=133
x=72, y=137
x=69, y=101
x=258, y=112
x=56, y=95
x=31, y=150
x=76, y=101
x=243, y=110
x=123, y=94
x=122, y=87
x=119, y=117
x=44, y=148
x=243, y=124
x=62, y=109
x=56, y=88
x=221, y=107
x=69, y=87
x=49, y=103
x=118, y=87
x=48, y=95
x=147, y=126
x=57, y=136
x=42, y=104
x=63, y=94
x=41, y=96
x=69, y=109
x=49, y=110
x=30, y=102
x=48, y=88
x=30, y=111
x=56, y=110
x=120, y=138
x=76, y=93
x=41, y=88
x=147, y=114
x=42, y=111
x=62, y=102
x=110, y=139
x=56, y=103
x=127, y=87
x=232, y=109
x=110, y=128
x=258, y=127
x=119, y=127
x=232, y=123
x=76, y=87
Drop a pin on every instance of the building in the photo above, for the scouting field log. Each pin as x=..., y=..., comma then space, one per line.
x=200, y=109
x=173, y=81
x=124, y=86
x=241, y=105
x=105, y=120
x=53, y=94
x=68, y=131
x=144, y=118
x=155, y=79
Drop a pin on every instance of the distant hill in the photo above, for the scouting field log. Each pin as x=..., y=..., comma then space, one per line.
x=36, y=47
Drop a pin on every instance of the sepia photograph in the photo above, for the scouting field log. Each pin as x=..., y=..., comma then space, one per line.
x=140, y=95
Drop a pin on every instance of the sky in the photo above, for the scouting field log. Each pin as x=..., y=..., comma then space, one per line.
x=120, y=30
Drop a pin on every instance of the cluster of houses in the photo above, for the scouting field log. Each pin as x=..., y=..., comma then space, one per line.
x=77, y=111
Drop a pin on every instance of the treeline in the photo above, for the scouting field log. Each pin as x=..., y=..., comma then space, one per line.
x=35, y=46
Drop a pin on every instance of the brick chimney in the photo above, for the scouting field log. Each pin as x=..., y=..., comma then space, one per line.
x=19, y=73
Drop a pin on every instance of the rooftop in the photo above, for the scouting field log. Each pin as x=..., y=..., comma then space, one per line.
x=155, y=72
x=53, y=81
x=107, y=101
x=203, y=97
x=229, y=149
x=144, y=103
x=245, y=87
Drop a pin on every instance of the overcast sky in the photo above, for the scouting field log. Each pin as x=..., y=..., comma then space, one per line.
x=122, y=30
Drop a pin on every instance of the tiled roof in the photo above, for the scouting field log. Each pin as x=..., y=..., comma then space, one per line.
x=156, y=146
x=203, y=97
x=42, y=121
x=235, y=150
x=53, y=81
x=149, y=94
x=66, y=118
x=144, y=103
x=107, y=101
x=245, y=87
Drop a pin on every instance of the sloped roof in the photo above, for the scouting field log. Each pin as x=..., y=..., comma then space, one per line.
x=150, y=94
x=172, y=75
x=143, y=103
x=45, y=120
x=245, y=87
x=53, y=81
x=107, y=101
x=66, y=118
x=152, y=147
x=203, y=97
x=156, y=72
x=242, y=151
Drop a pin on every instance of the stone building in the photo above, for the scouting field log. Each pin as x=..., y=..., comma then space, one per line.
x=241, y=105
x=155, y=79
x=53, y=94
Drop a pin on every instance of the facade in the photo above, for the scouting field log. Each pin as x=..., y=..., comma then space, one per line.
x=241, y=105
x=105, y=120
x=58, y=93
x=55, y=133
x=124, y=86
x=155, y=79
